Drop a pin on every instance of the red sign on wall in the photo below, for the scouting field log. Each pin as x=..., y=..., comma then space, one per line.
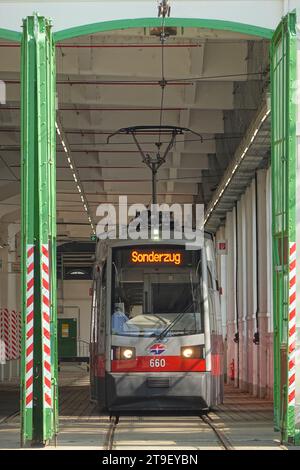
x=222, y=247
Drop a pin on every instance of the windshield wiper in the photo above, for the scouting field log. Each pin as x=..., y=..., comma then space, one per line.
x=176, y=319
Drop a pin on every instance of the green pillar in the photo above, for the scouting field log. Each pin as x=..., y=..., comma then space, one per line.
x=283, y=78
x=39, y=339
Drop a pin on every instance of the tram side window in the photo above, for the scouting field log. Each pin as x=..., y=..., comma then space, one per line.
x=209, y=279
x=94, y=314
x=211, y=300
x=102, y=286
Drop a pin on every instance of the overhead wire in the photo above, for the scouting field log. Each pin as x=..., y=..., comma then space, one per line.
x=163, y=84
x=171, y=81
x=163, y=81
x=163, y=142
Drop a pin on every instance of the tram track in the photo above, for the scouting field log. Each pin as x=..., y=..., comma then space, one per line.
x=9, y=417
x=111, y=441
x=222, y=438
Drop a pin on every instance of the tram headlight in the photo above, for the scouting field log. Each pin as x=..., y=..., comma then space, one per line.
x=192, y=352
x=127, y=353
x=123, y=352
x=187, y=352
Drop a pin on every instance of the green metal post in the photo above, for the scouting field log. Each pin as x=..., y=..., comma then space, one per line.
x=292, y=161
x=283, y=77
x=39, y=349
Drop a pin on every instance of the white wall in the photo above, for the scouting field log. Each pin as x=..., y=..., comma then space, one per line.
x=67, y=14
x=253, y=363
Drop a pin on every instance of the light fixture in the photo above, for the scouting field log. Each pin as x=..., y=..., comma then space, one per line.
x=75, y=175
x=187, y=352
x=123, y=352
x=127, y=353
x=192, y=352
x=155, y=233
x=233, y=171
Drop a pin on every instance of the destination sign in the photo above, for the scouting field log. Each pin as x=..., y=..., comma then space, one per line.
x=156, y=257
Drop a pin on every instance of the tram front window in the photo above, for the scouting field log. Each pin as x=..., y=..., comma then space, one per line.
x=159, y=295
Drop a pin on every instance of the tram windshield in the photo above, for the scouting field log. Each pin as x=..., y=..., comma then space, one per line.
x=156, y=291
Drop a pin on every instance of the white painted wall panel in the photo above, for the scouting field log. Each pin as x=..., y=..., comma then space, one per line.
x=255, y=361
x=66, y=14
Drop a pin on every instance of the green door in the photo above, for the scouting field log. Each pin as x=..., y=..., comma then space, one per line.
x=67, y=337
x=283, y=79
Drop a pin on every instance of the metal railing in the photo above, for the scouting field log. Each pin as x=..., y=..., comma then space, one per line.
x=83, y=348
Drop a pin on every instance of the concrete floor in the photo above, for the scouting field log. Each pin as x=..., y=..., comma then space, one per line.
x=246, y=422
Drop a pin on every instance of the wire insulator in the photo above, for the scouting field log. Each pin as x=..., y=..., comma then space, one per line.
x=164, y=8
x=163, y=83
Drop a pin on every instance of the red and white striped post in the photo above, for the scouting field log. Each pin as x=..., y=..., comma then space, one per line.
x=29, y=327
x=6, y=334
x=2, y=344
x=46, y=326
x=19, y=336
x=292, y=327
x=39, y=405
x=13, y=334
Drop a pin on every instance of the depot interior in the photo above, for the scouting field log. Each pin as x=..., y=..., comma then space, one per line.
x=217, y=85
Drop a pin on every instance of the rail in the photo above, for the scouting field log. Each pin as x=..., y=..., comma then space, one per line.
x=83, y=348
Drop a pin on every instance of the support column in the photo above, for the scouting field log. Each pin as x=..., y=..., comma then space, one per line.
x=284, y=164
x=39, y=350
x=231, y=300
x=297, y=358
x=242, y=293
x=264, y=270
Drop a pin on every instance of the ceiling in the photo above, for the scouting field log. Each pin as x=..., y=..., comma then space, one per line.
x=216, y=83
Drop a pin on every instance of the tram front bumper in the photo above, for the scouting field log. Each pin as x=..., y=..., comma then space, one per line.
x=152, y=391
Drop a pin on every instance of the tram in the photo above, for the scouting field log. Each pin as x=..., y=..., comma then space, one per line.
x=156, y=339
